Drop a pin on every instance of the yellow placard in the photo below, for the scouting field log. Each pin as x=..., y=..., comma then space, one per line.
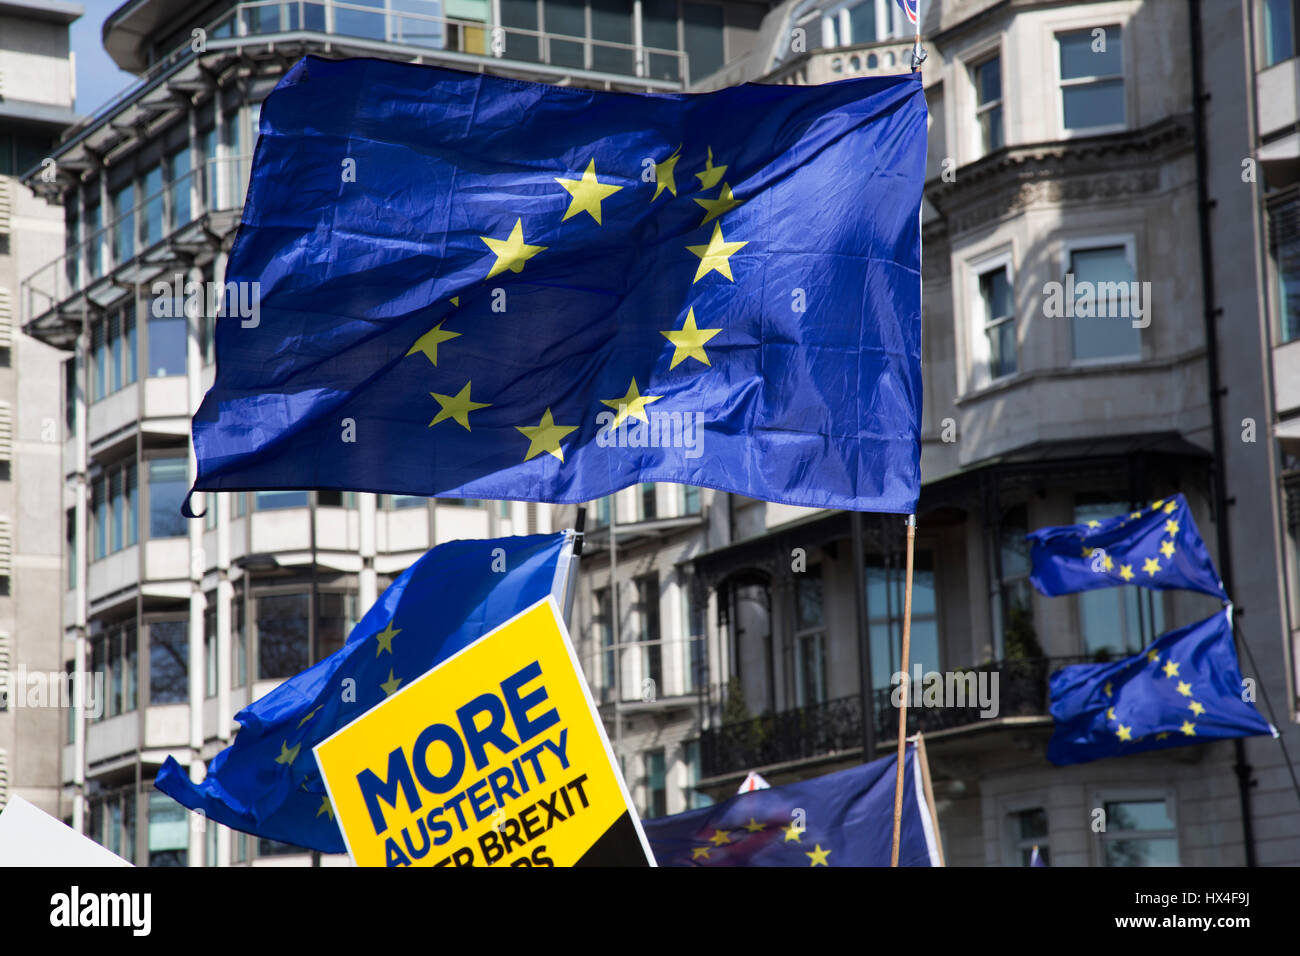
x=496, y=757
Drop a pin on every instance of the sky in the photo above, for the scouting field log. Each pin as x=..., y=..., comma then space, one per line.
x=98, y=78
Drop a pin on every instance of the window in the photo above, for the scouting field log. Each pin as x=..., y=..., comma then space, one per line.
x=603, y=627
x=694, y=667
x=210, y=647
x=702, y=27
x=1284, y=250
x=178, y=186
x=167, y=488
x=397, y=502
x=113, y=345
x=997, y=324
x=169, y=831
x=1105, y=303
x=987, y=77
x=115, y=509
x=238, y=643
x=281, y=635
x=694, y=799
x=646, y=502
x=1017, y=608
x=886, y=583
x=167, y=346
x=70, y=713
x=656, y=785
x=72, y=246
x=70, y=551
x=113, y=655
x=336, y=616
x=122, y=237
x=1139, y=833
x=1120, y=621
x=659, y=32
x=336, y=499
x=112, y=823
x=809, y=638
x=169, y=662
x=602, y=513
x=690, y=500
x=519, y=18
x=94, y=247
x=70, y=397
x=611, y=23
x=209, y=843
x=647, y=613
x=861, y=21
x=151, y=219
x=1279, y=31
x=1029, y=830
x=275, y=500
x=1092, y=78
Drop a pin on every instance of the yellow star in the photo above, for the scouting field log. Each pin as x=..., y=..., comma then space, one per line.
x=753, y=826
x=1161, y=736
x=1169, y=508
x=428, y=342
x=1151, y=566
x=1094, y=524
x=712, y=175
x=1188, y=728
x=715, y=256
x=1107, y=689
x=456, y=407
x=1109, y=563
x=325, y=807
x=385, y=638
x=545, y=436
x=1136, y=514
x=1087, y=551
x=719, y=838
x=1184, y=688
x=1167, y=548
x=1152, y=656
x=631, y=405
x=455, y=300
x=310, y=715
x=664, y=173
x=792, y=832
x=1196, y=708
x=725, y=202
x=1110, y=713
x=288, y=755
x=587, y=193
x=1124, y=733
x=689, y=341
x=818, y=856
x=1171, y=527
x=1155, y=505
x=1171, y=669
x=391, y=684
x=699, y=853
x=1126, y=572
x=511, y=252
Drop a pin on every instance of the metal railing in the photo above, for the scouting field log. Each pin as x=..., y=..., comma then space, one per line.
x=835, y=726
x=221, y=185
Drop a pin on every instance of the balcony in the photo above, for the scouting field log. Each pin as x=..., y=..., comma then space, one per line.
x=880, y=58
x=834, y=727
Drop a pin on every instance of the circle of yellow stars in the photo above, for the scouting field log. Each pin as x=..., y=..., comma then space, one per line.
x=513, y=253
x=792, y=833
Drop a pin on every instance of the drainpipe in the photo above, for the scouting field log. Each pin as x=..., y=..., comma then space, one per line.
x=1221, y=501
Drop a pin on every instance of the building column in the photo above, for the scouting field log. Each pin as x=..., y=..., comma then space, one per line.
x=367, y=514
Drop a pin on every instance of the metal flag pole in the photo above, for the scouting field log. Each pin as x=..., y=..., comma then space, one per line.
x=918, y=54
x=902, y=711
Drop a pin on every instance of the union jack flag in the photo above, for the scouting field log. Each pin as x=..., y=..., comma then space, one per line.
x=912, y=8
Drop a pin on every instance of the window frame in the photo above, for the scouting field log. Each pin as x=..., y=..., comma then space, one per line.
x=1064, y=132
x=978, y=109
x=1069, y=245
x=979, y=370
x=1102, y=797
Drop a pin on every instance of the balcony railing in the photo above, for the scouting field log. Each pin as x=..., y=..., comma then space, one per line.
x=220, y=186
x=835, y=726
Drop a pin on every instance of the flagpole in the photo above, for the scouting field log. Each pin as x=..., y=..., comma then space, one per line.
x=902, y=712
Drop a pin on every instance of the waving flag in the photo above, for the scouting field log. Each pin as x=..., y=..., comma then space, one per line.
x=840, y=819
x=267, y=782
x=1185, y=689
x=911, y=8
x=470, y=286
x=1157, y=547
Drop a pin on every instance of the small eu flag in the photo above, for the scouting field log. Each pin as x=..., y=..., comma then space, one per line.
x=463, y=285
x=840, y=819
x=1184, y=689
x=1156, y=547
x=267, y=782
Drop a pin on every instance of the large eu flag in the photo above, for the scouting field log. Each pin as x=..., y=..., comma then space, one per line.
x=472, y=286
x=1155, y=547
x=267, y=782
x=1185, y=688
x=840, y=819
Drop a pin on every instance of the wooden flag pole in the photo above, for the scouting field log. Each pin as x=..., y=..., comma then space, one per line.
x=902, y=711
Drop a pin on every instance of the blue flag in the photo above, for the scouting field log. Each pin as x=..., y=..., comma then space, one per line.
x=841, y=819
x=464, y=285
x=1157, y=547
x=1185, y=688
x=267, y=783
